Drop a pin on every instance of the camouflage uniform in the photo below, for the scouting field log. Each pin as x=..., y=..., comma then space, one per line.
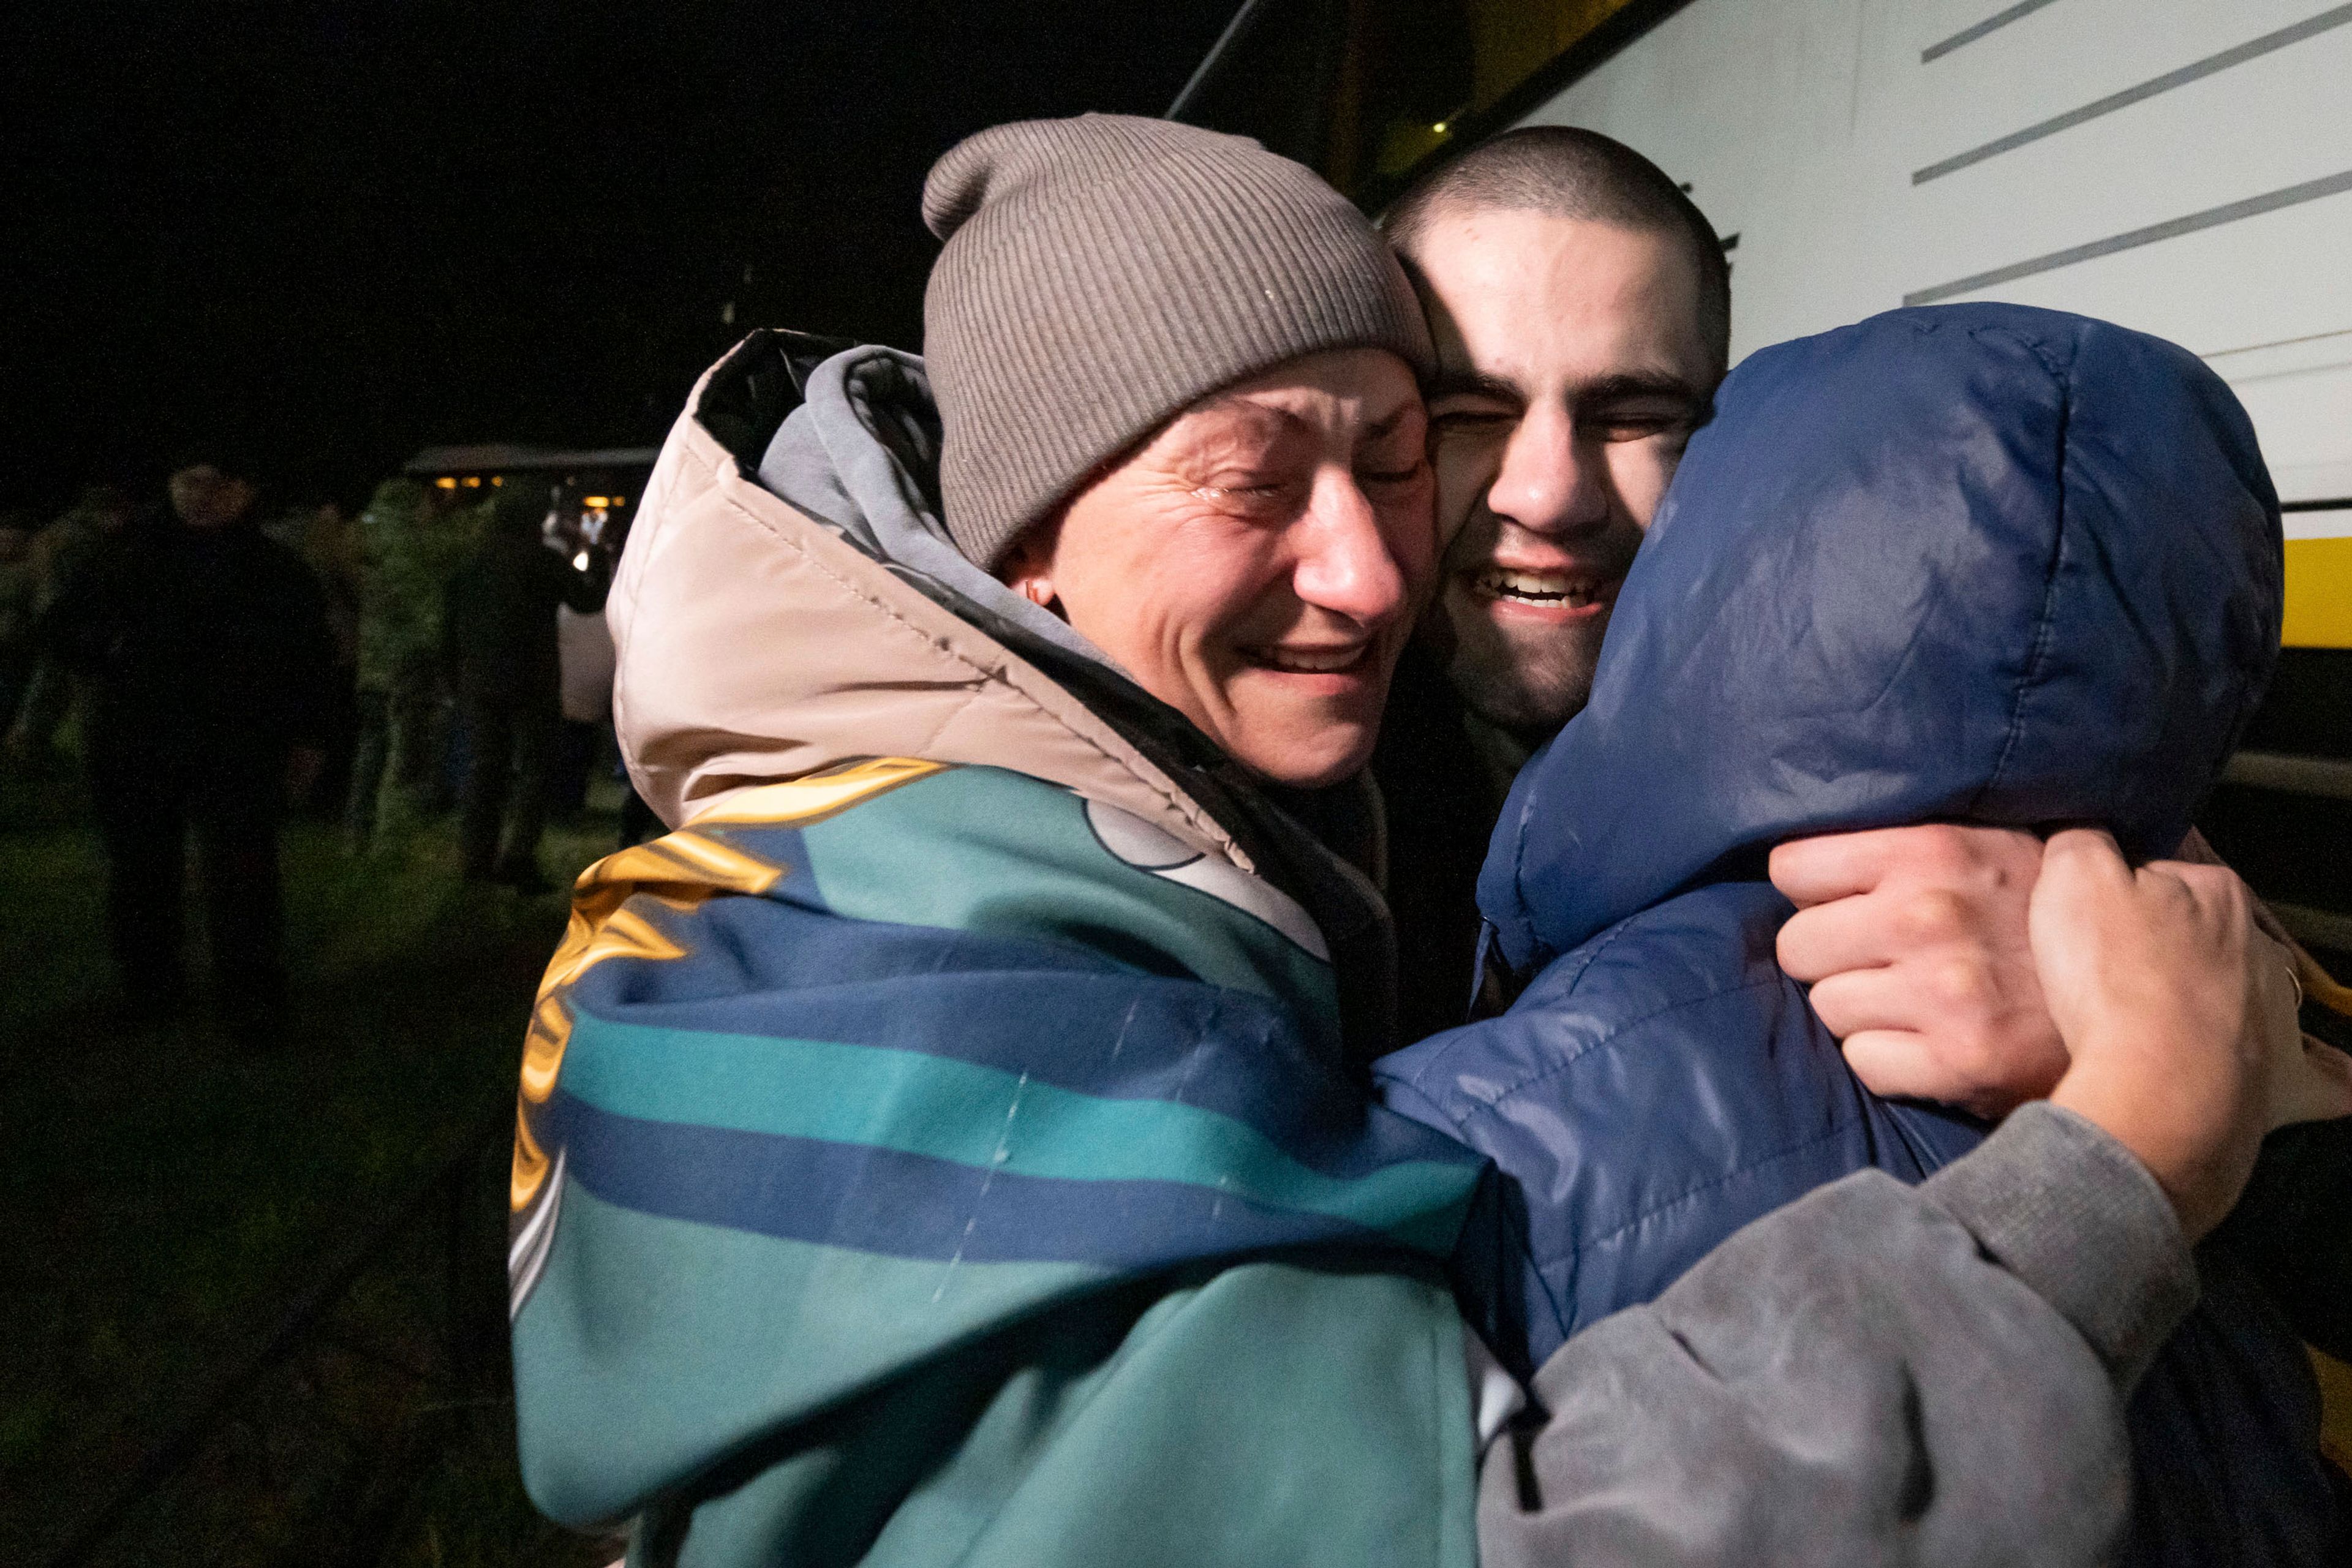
x=409, y=548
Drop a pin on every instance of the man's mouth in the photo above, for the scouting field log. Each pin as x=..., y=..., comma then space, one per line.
x=1550, y=590
x=1346, y=659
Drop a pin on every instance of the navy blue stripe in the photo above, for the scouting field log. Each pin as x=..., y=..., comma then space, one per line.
x=1065, y=1017
x=910, y=1206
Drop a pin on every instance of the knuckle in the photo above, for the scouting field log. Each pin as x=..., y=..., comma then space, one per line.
x=1963, y=982
x=1931, y=915
x=1888, y=1065
x=1794, y=957
x=1831, y=1004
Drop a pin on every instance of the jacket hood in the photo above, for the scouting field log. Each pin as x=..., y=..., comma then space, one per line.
x=1973, y=563
x=760, y=640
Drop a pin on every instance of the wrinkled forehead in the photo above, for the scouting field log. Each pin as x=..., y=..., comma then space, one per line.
x=1544, y=302
x=1352, y=395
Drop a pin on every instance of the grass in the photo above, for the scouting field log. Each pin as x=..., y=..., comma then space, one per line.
x=165, y=1199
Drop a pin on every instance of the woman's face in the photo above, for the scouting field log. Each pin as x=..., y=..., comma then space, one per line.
x=1256, y=563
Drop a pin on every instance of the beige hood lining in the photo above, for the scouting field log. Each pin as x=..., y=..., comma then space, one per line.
x=743, y=664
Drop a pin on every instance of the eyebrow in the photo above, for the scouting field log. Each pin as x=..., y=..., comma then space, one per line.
x=1473, y=384
x=1374, y=431
x=1631, y=384
x=1639, y=383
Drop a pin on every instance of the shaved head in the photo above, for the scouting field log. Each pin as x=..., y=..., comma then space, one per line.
x=1582, y=309
x=1565, y=171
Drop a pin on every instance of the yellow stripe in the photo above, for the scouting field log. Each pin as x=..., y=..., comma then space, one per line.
x=542, y=1048
x=721, y=864
x=2318, y=593
x=625, y=934
x=802, y=801
x=676, y=872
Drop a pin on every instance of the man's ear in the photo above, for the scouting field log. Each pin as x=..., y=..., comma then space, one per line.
x=1028, y=567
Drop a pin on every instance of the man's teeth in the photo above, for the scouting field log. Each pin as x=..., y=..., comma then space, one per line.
x=1314, y=661
x=1540, y=587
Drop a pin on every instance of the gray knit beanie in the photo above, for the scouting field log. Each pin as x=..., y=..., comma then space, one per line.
x=1102, y=272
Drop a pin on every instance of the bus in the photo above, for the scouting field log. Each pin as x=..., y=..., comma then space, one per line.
x=2177, y=167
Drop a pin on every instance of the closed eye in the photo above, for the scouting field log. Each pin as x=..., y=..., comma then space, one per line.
x=1631, y=426
x=1467, y=414
x=1395, y=475
x=1633, y=409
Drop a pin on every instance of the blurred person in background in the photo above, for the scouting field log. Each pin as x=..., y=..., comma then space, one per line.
x=329, y=543
x=60, y=553
x=407, y=547
x=207, y=652
x=585, y=649
x=499, y=644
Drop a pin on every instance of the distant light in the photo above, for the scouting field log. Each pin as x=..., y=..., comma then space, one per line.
x=473, y=482
x=580, y=561
x=497, y=480
x=1439, y=128
x=595, y=501
x=445, y=482
x=620, y=500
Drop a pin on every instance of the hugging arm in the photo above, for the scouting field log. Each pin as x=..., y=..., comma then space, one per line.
x=1938, y=1374
x=1915, y=942
x=1875, y=1373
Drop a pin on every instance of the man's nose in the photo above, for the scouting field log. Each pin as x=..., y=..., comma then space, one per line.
x=1550, y=482
x=1345, y=564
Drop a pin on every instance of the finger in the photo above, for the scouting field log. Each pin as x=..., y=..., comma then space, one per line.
x=1855, y=1001
x=2207, y=881
x=1898, y=1063
x=2221, y=902
x=1811, y=871
x=2083, y=857
x=1946, y=854
x=1842, y=934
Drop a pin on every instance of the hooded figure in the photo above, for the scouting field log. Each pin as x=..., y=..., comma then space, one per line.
x=1975, y=563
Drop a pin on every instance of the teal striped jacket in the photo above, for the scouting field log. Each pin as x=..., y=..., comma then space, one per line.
x=922, y=1164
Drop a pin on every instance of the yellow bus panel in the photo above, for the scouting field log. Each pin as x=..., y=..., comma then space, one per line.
x=2318, y=593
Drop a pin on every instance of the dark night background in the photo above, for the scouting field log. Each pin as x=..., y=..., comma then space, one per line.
x=329, y=234
x=254, y=1301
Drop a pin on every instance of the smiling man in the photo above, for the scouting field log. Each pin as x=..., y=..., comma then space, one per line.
x=1581, y=310
x=1580, y=307
x=1582, y=315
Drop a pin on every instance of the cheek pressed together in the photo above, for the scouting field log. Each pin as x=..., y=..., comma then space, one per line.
x=1569, y=375
x=1256, y=563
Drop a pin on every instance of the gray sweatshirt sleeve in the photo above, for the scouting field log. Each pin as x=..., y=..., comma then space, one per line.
x=1875, y=1374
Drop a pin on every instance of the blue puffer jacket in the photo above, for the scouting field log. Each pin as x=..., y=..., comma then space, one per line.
x=1971, y=563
